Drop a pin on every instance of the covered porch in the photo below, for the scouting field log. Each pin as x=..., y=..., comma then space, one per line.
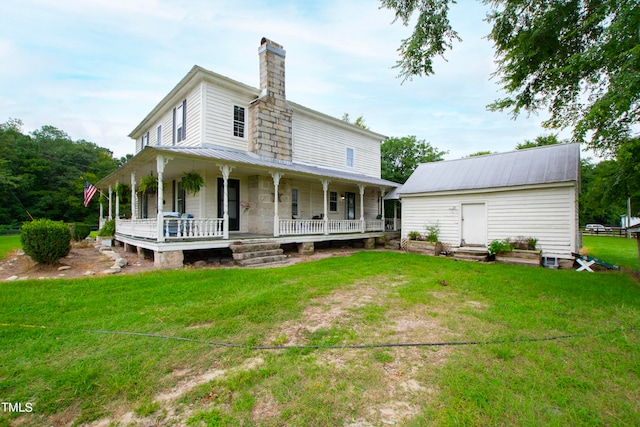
x=241, y=194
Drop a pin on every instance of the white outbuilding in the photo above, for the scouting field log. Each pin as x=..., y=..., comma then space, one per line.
x=531, y=193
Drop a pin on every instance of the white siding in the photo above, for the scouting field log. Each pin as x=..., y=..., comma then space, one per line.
x=219, y=117
x=194, y=115
x=548, y=214
x=319, y=142
x=194, y=121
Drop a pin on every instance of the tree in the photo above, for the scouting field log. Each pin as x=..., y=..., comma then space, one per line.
x=401, y=156
x=29, y=162
x=482, y=153
x=540, y=141
x=580, y=60
x=358, y=122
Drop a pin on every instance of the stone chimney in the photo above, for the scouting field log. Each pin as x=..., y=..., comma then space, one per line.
x=270, y=135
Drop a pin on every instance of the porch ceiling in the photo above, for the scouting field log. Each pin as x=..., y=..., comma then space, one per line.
x=243, y=163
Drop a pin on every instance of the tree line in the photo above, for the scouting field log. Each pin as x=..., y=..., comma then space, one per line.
x=42, y=175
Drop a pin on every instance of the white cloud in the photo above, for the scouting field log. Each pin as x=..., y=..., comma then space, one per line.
x=95, y=69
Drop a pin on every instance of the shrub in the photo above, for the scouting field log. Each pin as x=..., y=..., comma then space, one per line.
x=108, y=228
x=46, y=241
x=433, y=232
x=500, y=247
x=79, y=231
x=413, y=235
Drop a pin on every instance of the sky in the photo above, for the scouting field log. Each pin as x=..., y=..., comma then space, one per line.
x=96, y=68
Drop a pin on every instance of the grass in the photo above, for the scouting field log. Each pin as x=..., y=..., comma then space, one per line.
x=73, y=375
x=8, y=244
x=616, y=250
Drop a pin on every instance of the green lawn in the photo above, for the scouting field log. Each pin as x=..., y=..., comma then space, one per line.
x=616, y=250
x=8, y=244
x=589, y=375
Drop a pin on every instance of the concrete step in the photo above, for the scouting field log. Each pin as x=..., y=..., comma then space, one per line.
x=479, y=255
x=258, y=261
x=253, y=247
x=258, y=254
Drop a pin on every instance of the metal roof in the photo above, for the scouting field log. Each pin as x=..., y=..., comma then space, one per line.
x=252, y=159
x=541, y=165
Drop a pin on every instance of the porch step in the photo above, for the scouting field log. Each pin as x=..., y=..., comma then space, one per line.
x=257, y=254
x=261, y=261
x=469, y=254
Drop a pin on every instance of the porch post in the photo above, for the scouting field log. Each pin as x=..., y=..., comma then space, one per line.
x=382, y=191
x=110, y=205
x=117, y=200
x=325, y=216
x=134, y=197
x=101, y=216
x=160, y=162
x=395, y=215
x=276, y=220
x=362, y=225
x=226, y=170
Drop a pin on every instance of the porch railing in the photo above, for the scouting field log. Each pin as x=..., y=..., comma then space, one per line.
x=173, y=228
x=374, y=225
x=145, y=228
x=393, y=224
x=289, y=227
x=202, y=228
x=193, y=228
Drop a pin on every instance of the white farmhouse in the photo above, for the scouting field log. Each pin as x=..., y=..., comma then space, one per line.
x=272, y=170
x=475, y=200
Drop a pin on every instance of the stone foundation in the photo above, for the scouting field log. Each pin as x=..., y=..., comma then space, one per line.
x=306, y=248
x=168, y=260
x=370, y=243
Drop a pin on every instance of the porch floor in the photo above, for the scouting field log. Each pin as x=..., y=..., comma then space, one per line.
x=236, y=236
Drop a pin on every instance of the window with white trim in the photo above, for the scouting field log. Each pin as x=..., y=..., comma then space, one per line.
x=239, y=121
x=159, y=135
x=180, y=122
x=350, y=157
x=333, y=201
x=145, y=139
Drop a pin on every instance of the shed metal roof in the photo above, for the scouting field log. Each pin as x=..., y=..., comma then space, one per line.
x=541, y=165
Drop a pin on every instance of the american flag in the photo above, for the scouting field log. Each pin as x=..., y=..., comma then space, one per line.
x=89, y=191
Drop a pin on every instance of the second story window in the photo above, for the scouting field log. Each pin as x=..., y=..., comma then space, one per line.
x=145, y=139
x=180, y=122
x=350, y=157
x=238, y=121
x=159, y=135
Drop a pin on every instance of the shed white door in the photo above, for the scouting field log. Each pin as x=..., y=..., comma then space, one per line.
x=474, y=224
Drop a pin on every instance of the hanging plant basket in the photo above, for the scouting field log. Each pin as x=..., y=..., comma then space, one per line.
x=148, y=184
x=122, y=190
x=192, y=182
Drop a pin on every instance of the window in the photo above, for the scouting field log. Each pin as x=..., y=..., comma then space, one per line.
x=238, y=121
x=180, y=196
x=294, y=202
x=333, y=201
x=145, y=139
x=350, y=157
x=159, y=135
x=180, y=122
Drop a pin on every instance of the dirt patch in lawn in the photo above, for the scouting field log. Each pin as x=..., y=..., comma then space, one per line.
x=86, y=259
